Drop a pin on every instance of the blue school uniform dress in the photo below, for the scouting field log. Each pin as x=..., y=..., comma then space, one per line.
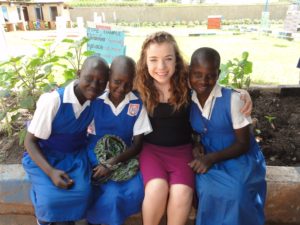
x=117, y=200
x=233, y=191
x=65, y=150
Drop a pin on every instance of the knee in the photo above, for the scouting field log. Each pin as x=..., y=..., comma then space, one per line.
x=181, y=195
x=157, y=188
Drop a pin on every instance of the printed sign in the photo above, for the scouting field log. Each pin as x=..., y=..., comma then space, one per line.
x=106, y=43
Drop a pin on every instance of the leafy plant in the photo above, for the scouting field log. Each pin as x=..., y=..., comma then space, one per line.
x=270, y=120
x=5, y=118
x=73, y=57
x=236, y=72
x=29, y=76
x=22, y=80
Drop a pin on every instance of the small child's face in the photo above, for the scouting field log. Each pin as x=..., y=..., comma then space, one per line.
x=120, y=84
x=203, y=77
x=92, y=82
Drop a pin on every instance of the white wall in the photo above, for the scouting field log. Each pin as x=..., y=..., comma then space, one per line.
x=238, y=1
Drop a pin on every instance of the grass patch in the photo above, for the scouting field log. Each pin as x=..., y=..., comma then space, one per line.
x=269, y=67
x=280, y=45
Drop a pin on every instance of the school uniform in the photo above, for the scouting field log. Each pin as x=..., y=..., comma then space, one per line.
x=117, y=200
x=233, y=191
x=60, y=122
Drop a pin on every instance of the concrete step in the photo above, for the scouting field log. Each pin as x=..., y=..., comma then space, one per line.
x=282, y=206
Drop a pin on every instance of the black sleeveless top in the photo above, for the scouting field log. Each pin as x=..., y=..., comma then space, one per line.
x=170, y=128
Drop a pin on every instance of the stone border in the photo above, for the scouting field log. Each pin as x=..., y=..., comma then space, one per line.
x=283, y=197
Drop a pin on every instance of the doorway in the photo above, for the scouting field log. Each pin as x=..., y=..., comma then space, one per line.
x=53, y=13
x=25, y=13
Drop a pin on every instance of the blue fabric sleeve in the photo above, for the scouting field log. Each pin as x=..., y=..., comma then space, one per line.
x=91, y=154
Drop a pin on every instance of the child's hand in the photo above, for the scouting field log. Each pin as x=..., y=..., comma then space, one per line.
x=201, y=164
x=198, y=151
x=61, y=179
x=247, y=108
x=100, y=171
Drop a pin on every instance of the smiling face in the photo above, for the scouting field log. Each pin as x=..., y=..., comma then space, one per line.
x=92, y=83
x=92, y=79
x=120, y=84
x=161, y=62
x=203, y=77
x=121, y=78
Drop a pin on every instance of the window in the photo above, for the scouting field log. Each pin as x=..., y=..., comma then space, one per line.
x=5, y=13
x=53, y=13
x=39, y=13
x=19, y=13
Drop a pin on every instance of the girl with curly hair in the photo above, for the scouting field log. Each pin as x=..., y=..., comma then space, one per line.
x=162, y=82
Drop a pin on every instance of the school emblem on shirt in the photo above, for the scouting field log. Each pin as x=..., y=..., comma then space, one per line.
x=133, y=109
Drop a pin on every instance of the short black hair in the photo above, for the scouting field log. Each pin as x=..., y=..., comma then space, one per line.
x=206, y=54
x=96, y=63
x=125, y=64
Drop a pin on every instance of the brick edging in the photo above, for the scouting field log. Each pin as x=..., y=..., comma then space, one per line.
x=282, y=206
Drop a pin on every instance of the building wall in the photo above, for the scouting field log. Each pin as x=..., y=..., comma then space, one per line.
x=2, y=21
x=187, y=13
x=46, y=11
x=14, y=17
x=12, y=13
x=238, y=1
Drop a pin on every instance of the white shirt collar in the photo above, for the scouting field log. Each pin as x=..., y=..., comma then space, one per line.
x=70, y=97
x=116, y=110
x=208, y=106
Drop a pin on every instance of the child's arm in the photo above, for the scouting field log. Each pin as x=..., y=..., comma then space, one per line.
x=241, y=128
x=197, y=150
x=239, y=147
x=58, y=177
x=130, y=152
x=141, y=126
x=40, y=128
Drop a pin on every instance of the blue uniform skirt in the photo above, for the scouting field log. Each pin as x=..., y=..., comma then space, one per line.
x=53, y=204
x=117, y=201
x=232, y=192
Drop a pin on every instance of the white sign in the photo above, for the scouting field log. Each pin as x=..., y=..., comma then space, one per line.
x=115, y=16
x=61, y=25
x=103, y=16
x=80, y=22
x=3, y=47
x=265, y=18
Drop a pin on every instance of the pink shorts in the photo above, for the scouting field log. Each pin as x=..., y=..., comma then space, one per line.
x=169, y=163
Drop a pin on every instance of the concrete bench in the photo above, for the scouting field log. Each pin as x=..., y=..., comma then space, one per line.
x=282, y=207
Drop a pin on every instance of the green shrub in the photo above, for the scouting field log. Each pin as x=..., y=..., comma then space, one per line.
x=236, y=72
x=24, y=78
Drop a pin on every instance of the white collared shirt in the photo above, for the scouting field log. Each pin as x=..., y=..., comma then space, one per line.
x=47, y=107
x=239, y=120
x=142, y=124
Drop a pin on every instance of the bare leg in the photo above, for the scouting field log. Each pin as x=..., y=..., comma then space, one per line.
x=154, y=204
x=179, y=204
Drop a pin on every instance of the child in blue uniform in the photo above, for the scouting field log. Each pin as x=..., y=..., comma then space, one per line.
x=57, y=161
x=230, y=182
x=119, y=112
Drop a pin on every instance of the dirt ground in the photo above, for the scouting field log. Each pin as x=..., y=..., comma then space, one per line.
x=277, y=129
